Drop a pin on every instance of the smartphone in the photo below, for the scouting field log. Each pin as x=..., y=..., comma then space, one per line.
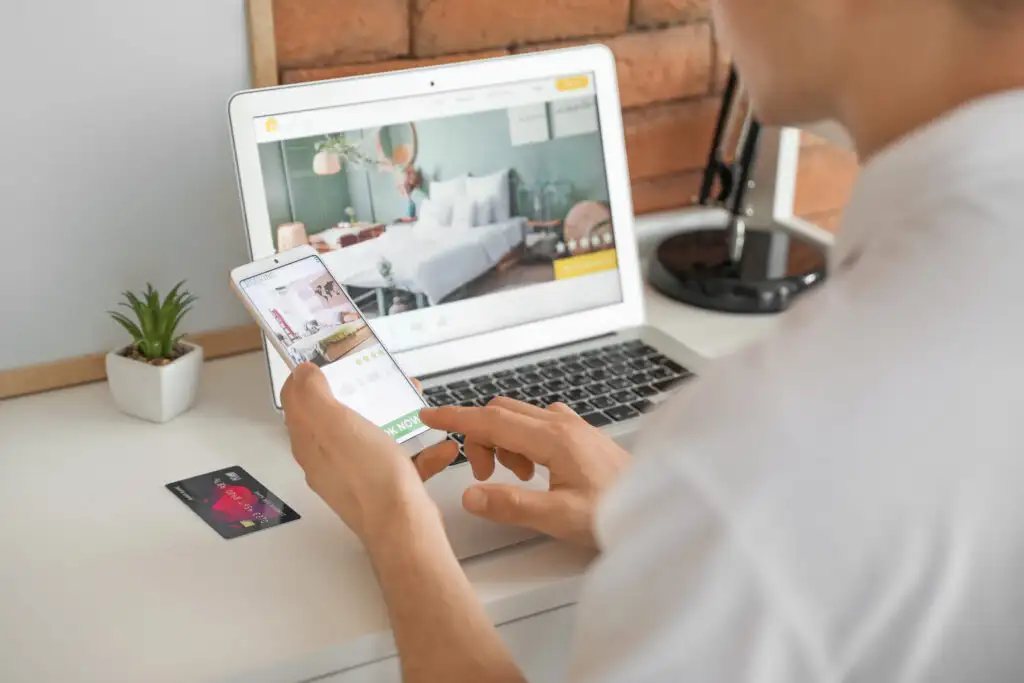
x=308, y=317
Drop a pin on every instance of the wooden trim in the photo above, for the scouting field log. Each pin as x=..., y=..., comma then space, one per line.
x=92, y=368
x=262, y=44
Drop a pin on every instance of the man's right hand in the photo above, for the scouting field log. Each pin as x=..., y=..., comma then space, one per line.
x=581, y=460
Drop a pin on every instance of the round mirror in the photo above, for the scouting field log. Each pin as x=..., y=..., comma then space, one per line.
x=397, y=145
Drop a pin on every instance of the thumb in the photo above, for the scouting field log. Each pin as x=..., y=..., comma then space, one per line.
x=514, y=505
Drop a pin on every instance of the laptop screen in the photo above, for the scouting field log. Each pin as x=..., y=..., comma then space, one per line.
x=450, y=215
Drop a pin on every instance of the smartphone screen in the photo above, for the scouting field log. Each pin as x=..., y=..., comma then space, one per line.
x=313, y=319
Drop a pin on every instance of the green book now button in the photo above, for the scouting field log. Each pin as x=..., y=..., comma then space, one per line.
x=396, y=429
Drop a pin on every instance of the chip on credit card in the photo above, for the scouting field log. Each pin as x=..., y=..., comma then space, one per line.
x=232, y=502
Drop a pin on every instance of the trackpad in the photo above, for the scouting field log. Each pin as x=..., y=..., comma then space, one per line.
x=470, y=535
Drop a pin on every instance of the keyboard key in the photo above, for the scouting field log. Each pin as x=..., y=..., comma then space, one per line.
x=489, y=388
x=620, y=413
x=615, y=357
x=537, y=401
x=556, y=384
x=638, y=378
x=668, y=384
x=461, y=438
x=643, y=406
x=597, y=419
x=459, y=460
x=549, y=363
x=534, y=390
x=632, y=344
x=469, y=404
x=602, y=402
x=598, y=388
x=580, y=407
x=552, y=373
x=618, y=369
x=598, y=375
x=442, y=399
x=646, y=390
x=577, y=380
x=576, y=394
x=434, y=391
x=660, y=372
x=509, y=383
x=553, y=398
x=592, y=352
x=482, y=379
x=624, y=397
x=640, y=364
x=515, y=394
x=461, y=384
x=618, y=383
x=570, y=358
x=464, y=394
x=595, y=363
x=526, y=369
x=673, y=366
x=530, y=378
x=504, y=373
x=573, y=367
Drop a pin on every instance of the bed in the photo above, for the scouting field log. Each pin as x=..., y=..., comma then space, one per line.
x=429, y=261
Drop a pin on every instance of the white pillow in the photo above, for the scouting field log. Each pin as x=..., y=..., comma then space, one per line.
x=434, y=213
x=494, y=186
x=464, y=213
x=485, y=212
x=447, y=191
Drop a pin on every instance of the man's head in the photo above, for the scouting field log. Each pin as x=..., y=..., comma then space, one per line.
x=806, y=60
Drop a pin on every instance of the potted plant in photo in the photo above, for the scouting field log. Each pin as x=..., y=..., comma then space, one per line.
x=156, y=376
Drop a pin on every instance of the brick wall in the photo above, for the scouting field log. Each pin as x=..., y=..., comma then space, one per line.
x=669, y=65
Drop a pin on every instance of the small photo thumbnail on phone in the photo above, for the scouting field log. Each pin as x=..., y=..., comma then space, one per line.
x=313, y=319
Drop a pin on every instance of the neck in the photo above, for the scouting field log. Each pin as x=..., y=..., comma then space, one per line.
x=893, y=95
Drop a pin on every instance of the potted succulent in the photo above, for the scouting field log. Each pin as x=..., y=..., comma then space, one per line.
x=157, y=375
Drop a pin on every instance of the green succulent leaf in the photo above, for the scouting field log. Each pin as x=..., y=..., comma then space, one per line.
x=156, y=319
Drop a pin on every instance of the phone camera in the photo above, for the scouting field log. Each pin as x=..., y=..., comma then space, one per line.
x=431, y=84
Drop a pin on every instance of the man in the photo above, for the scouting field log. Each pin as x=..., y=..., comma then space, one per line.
x=839, y=503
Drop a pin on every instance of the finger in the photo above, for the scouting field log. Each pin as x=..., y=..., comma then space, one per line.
x=416, y=383
x=433, y=460
x=507, y=504
x=520, y=407
x=481, y=459
x=495, y=426
x=561, y=409
x=520, y=465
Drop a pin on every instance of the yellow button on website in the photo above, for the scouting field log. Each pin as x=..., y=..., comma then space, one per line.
x=572, y=83
x=586, y=264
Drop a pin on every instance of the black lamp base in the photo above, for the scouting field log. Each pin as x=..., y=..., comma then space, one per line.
x=694, y=268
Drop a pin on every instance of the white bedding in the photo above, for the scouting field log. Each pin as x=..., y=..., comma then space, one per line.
x=434, y=262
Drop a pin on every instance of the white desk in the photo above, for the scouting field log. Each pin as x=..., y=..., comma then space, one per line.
x=105, y=576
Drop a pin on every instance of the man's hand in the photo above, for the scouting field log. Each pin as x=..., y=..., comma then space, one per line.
x=359, y=471
x=582, y=462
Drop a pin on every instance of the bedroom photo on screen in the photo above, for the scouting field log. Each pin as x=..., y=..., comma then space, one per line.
x=417, y=214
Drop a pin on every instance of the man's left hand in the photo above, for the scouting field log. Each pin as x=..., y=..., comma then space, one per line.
x=358, y=470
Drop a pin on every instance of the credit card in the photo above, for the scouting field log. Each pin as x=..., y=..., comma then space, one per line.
x=232, y=502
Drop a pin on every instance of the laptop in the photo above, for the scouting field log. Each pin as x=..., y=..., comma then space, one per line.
x=480, y=216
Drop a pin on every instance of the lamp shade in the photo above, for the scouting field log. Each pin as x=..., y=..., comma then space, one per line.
x=291, y=235
x=326, y=163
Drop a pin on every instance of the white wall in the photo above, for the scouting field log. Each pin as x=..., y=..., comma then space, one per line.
x=115, y=165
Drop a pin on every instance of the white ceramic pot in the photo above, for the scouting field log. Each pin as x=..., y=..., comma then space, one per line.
x=157, y=393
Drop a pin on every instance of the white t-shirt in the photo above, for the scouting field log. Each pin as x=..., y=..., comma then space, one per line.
x=845, y=501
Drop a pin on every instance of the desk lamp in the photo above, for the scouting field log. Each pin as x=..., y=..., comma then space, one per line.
x=760, y=257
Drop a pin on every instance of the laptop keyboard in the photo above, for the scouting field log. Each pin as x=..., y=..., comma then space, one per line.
x=605, y=385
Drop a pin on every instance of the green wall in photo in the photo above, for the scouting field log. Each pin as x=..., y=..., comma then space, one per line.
x=318, y=202
x=480, y=144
